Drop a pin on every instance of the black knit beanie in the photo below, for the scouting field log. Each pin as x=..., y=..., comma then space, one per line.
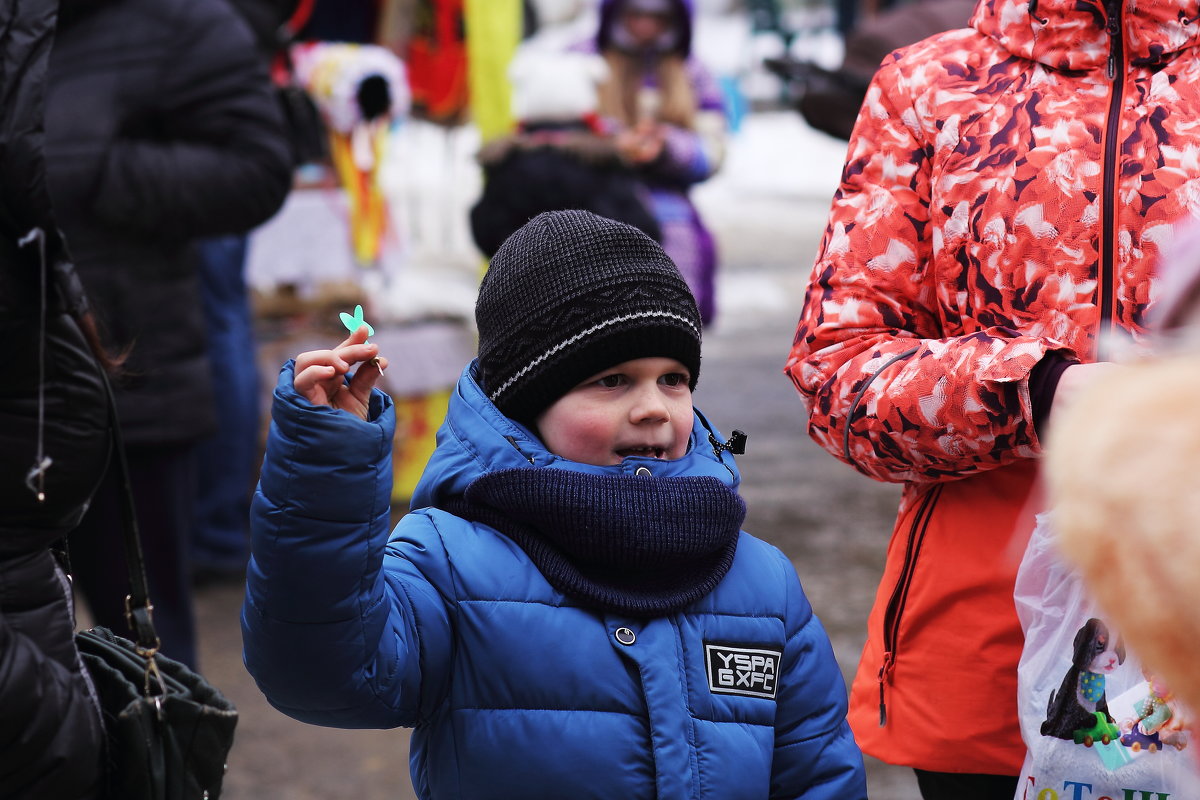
x=570, y=294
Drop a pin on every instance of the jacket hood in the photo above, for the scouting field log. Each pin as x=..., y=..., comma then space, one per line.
x=476, y=439
x=684, y=13
x=1074, y=34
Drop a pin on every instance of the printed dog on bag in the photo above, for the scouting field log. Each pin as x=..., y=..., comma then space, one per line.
x=1078, y=711
x=1065, y=718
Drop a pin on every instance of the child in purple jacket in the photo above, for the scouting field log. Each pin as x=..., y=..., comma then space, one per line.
x=665, y=111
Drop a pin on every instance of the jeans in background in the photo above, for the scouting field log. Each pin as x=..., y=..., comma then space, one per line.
x=226, y=462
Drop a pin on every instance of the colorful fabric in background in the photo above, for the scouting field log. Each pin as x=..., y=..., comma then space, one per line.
x=361, y=91
x=493, y=33
x=356, y=157
x=417, y=421
x=437, y=61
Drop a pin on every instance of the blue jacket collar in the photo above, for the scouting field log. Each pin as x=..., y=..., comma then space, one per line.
x=476, y=439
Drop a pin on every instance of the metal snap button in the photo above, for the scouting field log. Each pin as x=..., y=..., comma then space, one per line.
x=625, y=636
x=642, y=472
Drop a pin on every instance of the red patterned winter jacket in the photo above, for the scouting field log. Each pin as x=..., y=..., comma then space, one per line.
x=1006, y=193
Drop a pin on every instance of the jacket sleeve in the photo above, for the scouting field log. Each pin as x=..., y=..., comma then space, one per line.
x=891, y=387
x=339, y=627
x=214, y=158
x=816, y=757
x=49, y=719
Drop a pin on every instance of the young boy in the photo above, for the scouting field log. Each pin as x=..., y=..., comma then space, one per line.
x=570, y=610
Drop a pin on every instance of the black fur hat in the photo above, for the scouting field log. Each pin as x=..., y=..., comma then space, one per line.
x=570, y=294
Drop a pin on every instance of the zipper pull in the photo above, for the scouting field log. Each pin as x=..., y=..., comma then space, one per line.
x=513, y=441
x=735, y=444
x=1032, y=8
x=884, y=673
x=1113, y=29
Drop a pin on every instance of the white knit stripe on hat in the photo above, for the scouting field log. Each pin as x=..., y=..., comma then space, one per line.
x=583, y=335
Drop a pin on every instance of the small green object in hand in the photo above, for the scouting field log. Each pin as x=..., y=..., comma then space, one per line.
x=356, y=321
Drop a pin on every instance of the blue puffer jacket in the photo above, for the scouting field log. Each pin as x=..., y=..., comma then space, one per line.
x=514, y=689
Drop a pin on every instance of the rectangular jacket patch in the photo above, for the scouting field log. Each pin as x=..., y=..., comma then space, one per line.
x=733, y=669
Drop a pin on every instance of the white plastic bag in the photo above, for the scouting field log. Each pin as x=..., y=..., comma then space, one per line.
x=1094, y=724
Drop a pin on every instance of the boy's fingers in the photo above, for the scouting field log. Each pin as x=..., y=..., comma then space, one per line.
x=308, y=382
x=320, y=358
x=366, y=377
x=354, y=353
x=317, y=374
x=313, y=373
x=357, y=336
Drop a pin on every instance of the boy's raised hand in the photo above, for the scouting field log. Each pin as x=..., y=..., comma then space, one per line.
x=319, y=374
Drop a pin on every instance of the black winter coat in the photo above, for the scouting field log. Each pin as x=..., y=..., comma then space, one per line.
x=50, y=730
x=161, y=127
x=554, y=168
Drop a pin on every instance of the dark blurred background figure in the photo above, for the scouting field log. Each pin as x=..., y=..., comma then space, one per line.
x=667, y=113
x=829, y=99
x=227, y=459
x=161, y=128
x=558, y=158
x=53, y=433
x=849, y=15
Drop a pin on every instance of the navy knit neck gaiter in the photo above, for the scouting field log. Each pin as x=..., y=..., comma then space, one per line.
x=642, y=546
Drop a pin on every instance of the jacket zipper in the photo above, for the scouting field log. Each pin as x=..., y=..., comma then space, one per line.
x=858, y=400
x=1108, y=258
x=513, y=441
x=895, y=606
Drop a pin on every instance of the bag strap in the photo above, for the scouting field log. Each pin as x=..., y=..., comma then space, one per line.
x=138, y=609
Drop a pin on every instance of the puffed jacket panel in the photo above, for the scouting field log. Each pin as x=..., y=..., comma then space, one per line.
x=53, y=403
x=515, y=689
x=161, y=128
x=1007, y=191
x=52, y=396
x=53, y=416
x=51, y=735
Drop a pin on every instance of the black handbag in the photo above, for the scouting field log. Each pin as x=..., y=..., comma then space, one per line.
x=168, y=731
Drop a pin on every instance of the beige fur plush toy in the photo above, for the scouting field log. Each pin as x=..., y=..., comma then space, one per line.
x=1122, y=469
